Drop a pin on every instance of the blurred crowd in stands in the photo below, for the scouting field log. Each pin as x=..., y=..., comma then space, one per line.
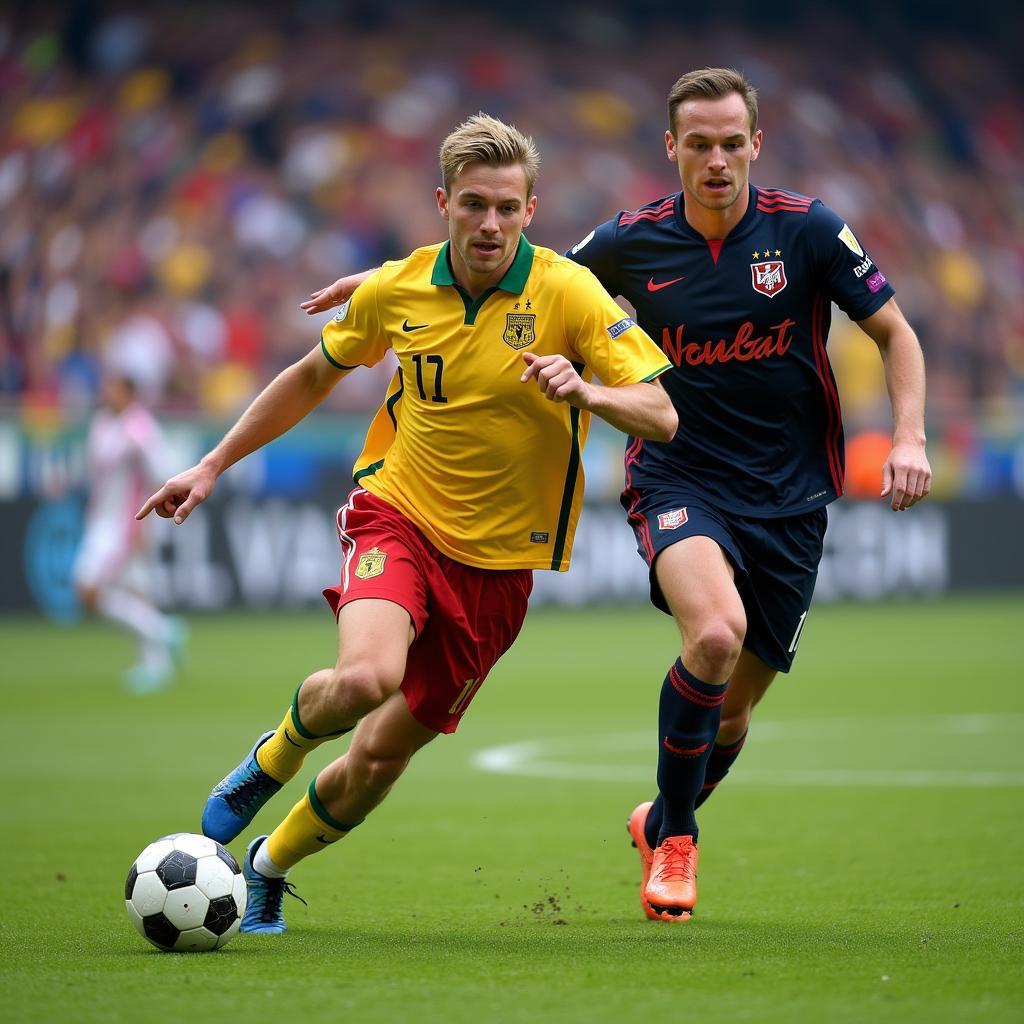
x=176, y=178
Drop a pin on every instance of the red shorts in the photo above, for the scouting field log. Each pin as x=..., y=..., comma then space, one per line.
x=465, y=618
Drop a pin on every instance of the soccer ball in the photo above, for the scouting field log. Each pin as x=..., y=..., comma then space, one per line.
x=185, y=892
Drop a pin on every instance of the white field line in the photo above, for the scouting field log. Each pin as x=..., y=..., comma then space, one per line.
x=571, y=758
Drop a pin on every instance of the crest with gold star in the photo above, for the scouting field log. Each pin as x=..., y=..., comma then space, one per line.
x=769, y=275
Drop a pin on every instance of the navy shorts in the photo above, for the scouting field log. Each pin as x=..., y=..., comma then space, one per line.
x=775, y=560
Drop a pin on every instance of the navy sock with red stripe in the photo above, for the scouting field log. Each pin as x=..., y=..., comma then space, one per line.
x=688, y=717
x=719, y=763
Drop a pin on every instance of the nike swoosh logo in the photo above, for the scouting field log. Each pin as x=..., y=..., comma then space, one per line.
x=407, y=327
x=323, y=839
x=652, y=287
x=287, y=736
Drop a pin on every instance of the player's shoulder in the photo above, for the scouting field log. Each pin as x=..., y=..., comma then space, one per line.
x=419, y=262
x=783, y=202
x=660, y=213
x=806, y=216
x=554, y=267
x=605, y=245
x=554, y=273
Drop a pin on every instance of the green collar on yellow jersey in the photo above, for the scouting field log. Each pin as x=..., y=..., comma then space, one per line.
x=513, y=281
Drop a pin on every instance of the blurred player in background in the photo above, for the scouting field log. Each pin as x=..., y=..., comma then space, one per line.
x=470, y=479
x=125, y=459
x=736, y=282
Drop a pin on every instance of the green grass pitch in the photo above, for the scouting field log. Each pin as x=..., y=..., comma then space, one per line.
x=865, y=862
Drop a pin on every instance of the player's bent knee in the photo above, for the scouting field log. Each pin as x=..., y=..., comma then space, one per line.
x=718, y=644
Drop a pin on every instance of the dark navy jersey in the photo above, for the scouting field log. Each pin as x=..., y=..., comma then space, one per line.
x=744, y=322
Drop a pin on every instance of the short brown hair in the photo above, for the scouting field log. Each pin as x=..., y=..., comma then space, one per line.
x=486, y=140
x=711, y=84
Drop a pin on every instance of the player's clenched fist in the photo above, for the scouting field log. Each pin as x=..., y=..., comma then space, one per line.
x=180, y=494
x=906, y=475
x=557, y=378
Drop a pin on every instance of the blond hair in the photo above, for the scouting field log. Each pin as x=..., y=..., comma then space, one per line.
x=485, y=140
x=711, y=84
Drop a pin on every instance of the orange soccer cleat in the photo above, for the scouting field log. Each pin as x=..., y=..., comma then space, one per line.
x=635, y=825
x=671, y=890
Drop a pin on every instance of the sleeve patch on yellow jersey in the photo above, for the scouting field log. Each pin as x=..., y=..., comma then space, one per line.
x=519, y=330
x=621, y=327
x=342, y=312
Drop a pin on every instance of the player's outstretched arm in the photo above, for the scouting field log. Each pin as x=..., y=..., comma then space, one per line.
x=288, y=398
x=906, y=474
x=334, y=294
x=643, y=410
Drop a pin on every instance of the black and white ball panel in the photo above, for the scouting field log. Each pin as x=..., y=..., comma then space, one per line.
x=185, y=892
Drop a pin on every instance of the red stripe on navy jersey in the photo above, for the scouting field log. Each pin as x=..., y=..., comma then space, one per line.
x=663, y=205
x=831, y=397
x=627, y=219
x=652, y=211
x=664, y=209
x=776, y=197
x=794, y=203
x=639, y=523
x=821, y=367
x=781, y=193
x=837, y=426
x=837, y=433
x=781, y=209
x=633, y=497
x=782, y=201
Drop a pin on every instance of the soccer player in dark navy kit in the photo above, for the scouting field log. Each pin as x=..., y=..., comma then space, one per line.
x=736, y=282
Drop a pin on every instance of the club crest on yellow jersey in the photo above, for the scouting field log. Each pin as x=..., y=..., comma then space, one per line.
x=519, y=330
x=371, y=564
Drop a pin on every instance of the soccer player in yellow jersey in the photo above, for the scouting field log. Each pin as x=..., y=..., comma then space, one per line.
x=470, y=479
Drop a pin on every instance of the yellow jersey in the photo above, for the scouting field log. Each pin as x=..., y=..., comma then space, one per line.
x=485, y=466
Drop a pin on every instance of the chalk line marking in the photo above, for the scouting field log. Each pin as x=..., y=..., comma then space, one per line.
x=564, y=759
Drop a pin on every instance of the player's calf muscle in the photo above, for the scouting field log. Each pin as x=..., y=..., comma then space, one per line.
x=733, y=726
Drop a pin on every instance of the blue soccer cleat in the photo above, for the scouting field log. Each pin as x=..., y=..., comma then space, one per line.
x=237, y=798
x=263, y=914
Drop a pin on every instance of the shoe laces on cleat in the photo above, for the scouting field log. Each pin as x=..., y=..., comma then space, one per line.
x=676, y=862
x=268, y=895
x=252, y=793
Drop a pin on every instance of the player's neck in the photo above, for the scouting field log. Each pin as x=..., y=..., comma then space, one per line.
x=474, y=285
x=715, y=224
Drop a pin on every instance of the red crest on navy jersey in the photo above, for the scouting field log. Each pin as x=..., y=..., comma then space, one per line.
x=768, y=277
